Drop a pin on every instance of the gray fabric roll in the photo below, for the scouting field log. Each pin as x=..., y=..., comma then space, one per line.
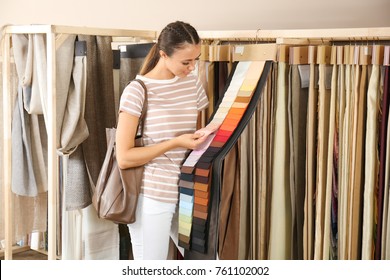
x=23, y=177
x=77, y=192
x=28, y=162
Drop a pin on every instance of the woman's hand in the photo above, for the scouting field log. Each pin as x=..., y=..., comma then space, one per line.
x=191, y=141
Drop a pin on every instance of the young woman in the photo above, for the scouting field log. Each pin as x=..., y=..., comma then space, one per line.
x=175, y=97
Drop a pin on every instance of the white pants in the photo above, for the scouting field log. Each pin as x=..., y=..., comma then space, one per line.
x=150, y=232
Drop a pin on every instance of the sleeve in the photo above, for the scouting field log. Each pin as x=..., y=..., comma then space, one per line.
x=132, y=99
x=202, y=100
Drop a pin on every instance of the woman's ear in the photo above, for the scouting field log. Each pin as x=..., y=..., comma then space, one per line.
x=163, y=54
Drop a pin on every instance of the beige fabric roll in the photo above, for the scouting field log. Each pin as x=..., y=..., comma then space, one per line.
x=371, y=163
x=74, y=129
x=322, y=155
x=280, y=222
x=264, y=167
x=298, y=103
x=357, y=160
x=266, y=194
x=340, y=128
x=311, y=159
x=30, y=51
x=344, y=170
x=100, y=238
x=329, y=171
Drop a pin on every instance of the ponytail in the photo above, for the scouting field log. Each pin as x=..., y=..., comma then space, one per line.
x=150, y=60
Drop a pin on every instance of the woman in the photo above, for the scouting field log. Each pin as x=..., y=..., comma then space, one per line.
x=175, y=96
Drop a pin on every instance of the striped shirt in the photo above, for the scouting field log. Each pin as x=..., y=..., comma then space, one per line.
x=173, y=107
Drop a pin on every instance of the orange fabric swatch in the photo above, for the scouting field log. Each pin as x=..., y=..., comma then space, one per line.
x=201, y=194
x=201, y=201
x=237, y=111
x=202, y=172
x=228, y=127
x=200, y=208
x=201, y=187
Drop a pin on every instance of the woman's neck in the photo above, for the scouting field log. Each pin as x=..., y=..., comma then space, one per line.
x=160, y=72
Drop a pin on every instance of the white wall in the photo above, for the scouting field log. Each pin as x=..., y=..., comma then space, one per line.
x=203, y=14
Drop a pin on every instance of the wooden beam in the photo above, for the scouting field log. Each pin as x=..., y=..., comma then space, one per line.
x=337, y=34
x=52, y=154
x=59, y=29
x=7, y=104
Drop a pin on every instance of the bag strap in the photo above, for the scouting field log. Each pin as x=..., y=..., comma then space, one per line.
x=141, y=120
x=144, y=106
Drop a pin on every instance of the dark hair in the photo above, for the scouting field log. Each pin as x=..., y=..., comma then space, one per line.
x=171, y=38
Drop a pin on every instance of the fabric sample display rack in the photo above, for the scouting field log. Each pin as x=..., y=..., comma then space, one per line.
x=254, y=48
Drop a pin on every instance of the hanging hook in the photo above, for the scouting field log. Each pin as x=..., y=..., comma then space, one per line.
x=374, y=40
x=257, y=36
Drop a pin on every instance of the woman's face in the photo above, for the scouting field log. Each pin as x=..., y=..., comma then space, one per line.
x=183, y=60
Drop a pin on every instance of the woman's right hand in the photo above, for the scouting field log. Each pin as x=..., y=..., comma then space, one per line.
x=191, y=141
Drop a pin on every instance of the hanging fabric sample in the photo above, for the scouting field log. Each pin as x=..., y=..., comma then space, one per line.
x=311, y=159
x=73, y=127
x=202, y=191
x=357, y=171
x=131, y=59
x=382, y=160
x=30, y=213
x=385, y=240
x=280, y=225
x=89, y=111
x=248, y=237
x=229, y=218
x=372, y=160
x=236, y=226
x=328, y=248
x=28, y=128
x=297, y=115
x=100, y=111
x=74, y=131
x=203, y=74
x=322, y=152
